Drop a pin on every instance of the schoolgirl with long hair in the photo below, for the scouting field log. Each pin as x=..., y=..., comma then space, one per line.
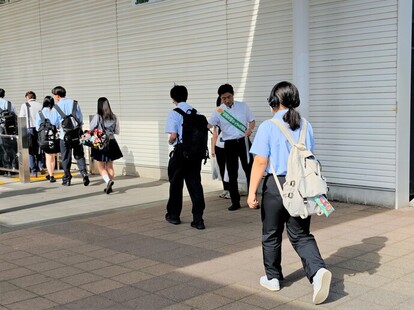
x=107, y=121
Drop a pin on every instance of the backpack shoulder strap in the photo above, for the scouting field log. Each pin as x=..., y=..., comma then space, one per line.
x=9, y=106
x=28, y=113
x=42, y=116
x=303, y=131
x=178, y=110
x=75, y=105
x=59, y=110
x=284, y=130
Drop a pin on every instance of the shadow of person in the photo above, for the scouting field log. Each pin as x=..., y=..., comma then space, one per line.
x=129, y=168
x=351, y=261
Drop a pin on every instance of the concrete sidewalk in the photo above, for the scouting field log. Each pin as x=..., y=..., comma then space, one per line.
x=78, y=248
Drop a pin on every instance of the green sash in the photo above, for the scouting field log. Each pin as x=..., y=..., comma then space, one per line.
x=232, y=120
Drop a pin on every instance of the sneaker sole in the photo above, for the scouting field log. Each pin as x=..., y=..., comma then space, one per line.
x=322, y=292
x=270, y=288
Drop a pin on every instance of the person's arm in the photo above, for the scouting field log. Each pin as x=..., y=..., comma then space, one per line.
x=213, y=142
x=117, y=129
x=172, y=137
x=250, y=128
x=258, y=169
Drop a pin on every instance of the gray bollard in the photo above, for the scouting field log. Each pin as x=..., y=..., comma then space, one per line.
x=23, y=150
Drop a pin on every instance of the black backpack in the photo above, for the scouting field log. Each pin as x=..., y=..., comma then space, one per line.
x=72, y=127
x=195, y=135
x=47, y=134
x=8, y=121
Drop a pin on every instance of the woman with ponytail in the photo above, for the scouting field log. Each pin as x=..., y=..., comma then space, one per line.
x=107, y=121
x=271, y=145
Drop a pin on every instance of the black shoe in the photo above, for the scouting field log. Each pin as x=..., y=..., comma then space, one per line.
x=108, y=188
x=199, y=224
x=47, y=177
x=86, y=180
x=66, y=182
x=172, y=219
x=234, y=207
x=52, y=179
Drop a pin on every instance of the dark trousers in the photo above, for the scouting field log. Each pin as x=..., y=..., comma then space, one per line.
x=274, y=218
x=35, y=156
x=67, y=159
x=221, y=161
x=235, y=149
x=181, y=169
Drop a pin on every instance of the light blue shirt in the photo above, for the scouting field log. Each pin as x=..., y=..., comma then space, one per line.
x=66, y=105
x=46, y=113
x=175, y=120
x=271, y=143
x=239, y=111
x=3, y=105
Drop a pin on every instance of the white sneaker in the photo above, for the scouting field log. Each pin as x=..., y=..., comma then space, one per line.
x=223, y=194
x=227, y=196
x=321, y=284
x=272, y=285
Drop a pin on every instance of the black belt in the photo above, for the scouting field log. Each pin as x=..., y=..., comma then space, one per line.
x=235, y=140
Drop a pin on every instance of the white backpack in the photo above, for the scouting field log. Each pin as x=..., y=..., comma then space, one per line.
x=303, y=178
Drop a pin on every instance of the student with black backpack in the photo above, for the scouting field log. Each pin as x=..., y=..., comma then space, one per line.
x=188, y=134
x=8, y=126
x=47, y=137
x=68, y=140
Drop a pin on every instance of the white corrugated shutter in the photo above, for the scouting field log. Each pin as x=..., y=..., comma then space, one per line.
x=133, y=55
x=201, y=44
x=353, y=90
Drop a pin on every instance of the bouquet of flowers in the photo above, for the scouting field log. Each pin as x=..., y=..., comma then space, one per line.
x=95, y=138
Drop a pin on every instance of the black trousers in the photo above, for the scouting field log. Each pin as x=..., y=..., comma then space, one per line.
x=274, y=218
x=67, y=159
x=181, y=169
x=235, y=149
x=221, y=161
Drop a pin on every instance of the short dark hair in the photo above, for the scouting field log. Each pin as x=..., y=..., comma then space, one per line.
x=48, y=102
x=179, y=93
x=225, y=88
x=2, y=92
x=30, y=94
x=59, y=91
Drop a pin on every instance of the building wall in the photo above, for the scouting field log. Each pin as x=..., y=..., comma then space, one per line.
x=133, y=55
x=353, y=81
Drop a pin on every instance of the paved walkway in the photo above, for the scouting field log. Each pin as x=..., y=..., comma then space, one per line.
x=78, y=248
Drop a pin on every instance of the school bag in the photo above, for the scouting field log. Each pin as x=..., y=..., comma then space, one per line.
x=305, y=189
x=8, y=121
x=47, y=134
x=71, y=126
x=195, y=134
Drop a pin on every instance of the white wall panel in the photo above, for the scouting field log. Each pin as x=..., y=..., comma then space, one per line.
x=353, y=90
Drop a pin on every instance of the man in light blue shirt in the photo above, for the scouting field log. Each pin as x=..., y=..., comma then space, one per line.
x=66, y=105
x=181, y=168
x=236, y=122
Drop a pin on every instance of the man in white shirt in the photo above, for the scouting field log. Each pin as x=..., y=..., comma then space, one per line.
x=237, y=123
x=29, y=109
